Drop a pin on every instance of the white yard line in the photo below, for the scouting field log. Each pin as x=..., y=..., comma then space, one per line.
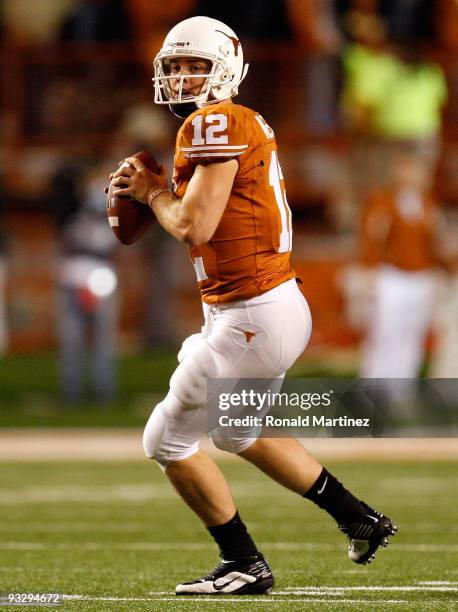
x=437, y=582
x=122, y=491
x=270, y=600
x=314, y=590
x=136, y=546
x=330, y=547
x=95, y=493
x=265, y=599
x=71, y=526
x=90, y=598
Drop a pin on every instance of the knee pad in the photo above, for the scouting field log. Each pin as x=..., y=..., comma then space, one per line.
x=154, y=433
x=231, y=444
x=172, y=432
x=188, y=346
x=189, y=381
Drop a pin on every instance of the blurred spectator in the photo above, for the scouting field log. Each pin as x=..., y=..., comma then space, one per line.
x=409, y=108
x=403, y=19
x=146, y=126
x=62, y=100
x=366, y=68
x=400, y=241
x=363, y=22
x=3, y=276
x=97, y=21
x=34, y=21
x=315, y=25
x=316, y=30
x=389, y=99
x=150, y=22
x=87, y=300
x=159, y=327
x=57, y=105
x=444, y=362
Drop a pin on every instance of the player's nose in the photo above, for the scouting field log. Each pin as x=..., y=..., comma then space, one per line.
x=180, y=76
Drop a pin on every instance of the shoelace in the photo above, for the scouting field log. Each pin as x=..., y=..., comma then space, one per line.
x=256, y=567
x=361, y=529
x=222, y=564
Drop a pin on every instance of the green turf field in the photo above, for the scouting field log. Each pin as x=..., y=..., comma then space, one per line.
x=115, y=537
x=30, y=389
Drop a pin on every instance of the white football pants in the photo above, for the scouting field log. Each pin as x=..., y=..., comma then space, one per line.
x=402, y=314
x=257, y=338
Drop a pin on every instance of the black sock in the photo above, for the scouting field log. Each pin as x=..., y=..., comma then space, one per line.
x=330, y=494
x=233, y=539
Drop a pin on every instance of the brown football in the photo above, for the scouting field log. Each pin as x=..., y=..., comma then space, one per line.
x=128, y=218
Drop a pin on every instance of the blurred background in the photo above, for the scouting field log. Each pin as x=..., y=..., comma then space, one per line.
x=363, y=98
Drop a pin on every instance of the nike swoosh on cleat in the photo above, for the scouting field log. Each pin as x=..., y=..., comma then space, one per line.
x=225, y=585
x=320, y=491
x=372, y=517
x=235, y=580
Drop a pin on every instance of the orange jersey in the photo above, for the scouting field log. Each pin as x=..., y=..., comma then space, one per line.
x=400, y=229
x=249, y=252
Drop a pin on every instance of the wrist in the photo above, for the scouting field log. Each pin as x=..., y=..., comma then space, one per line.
x=152, y=195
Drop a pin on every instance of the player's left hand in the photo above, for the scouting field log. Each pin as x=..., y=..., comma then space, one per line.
x=133, y=179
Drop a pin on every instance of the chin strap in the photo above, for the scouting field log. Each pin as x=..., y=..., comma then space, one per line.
x=183, y=110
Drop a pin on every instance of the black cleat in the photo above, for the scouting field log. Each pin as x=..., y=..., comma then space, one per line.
x=367, y=535
x=245, y=577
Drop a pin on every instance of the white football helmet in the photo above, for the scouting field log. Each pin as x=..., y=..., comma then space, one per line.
x=204, y=38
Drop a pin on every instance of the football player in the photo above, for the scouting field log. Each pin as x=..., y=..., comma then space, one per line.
x=229, y=205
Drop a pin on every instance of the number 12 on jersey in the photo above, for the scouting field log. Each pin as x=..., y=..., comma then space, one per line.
x=217, y=123
x=275, y=178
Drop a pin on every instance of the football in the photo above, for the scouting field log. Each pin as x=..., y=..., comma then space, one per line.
x=128, y=218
